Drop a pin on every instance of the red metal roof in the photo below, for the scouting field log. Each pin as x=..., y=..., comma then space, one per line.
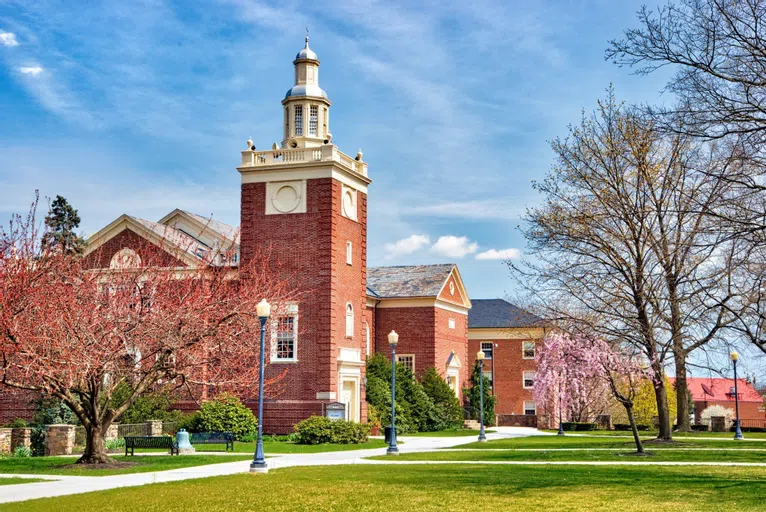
x=722, y=390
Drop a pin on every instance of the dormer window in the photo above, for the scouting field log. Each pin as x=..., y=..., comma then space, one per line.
x=298, y=120
x=313, y=115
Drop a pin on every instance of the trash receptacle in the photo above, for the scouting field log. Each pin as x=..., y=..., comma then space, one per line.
x=387, y=434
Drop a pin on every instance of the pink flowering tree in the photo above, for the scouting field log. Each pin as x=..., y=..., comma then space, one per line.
x=572, y=368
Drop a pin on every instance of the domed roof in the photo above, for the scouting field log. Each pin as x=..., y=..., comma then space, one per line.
x=307, y=53
x=306, y=90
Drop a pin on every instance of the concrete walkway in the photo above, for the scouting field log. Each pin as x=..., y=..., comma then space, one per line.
x=56, y=485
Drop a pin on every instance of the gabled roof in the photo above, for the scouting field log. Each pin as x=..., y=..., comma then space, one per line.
x=499, y=314
x=225, y=231
x=408, y=281
x=710, y=389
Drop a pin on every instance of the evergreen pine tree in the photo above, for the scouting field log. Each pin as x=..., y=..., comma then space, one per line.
x=473, y=394
x=60, y=224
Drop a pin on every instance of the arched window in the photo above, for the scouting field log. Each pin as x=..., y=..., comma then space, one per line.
x=349, y=320
x=125, y=258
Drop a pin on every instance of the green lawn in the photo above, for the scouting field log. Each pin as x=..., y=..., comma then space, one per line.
x=13, y=480
x=448, y=433
x=53, y=465
x=275, y=447
x=547, y=442
x=652, y=434
x=438, y=488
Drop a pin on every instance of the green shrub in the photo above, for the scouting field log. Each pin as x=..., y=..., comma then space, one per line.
x=700, y=428
x=22, y=452
x=322, y=430
x=447, y=413
x=225, y=413
x=37, y=440
x=19, y=423
x=114, y=444
x=579, y=426
x=190, y=422
x=52, y=411
x=149, y=406
x=474, y=394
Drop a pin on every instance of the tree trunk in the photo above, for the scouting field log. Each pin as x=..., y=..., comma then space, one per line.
x=95, y=452
x=634, y=428
x=663, y=414
x=682, y=396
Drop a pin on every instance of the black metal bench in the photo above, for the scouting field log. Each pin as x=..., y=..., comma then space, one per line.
x=133, y=442
x=226, y=438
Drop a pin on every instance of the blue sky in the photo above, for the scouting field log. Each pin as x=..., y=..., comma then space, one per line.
x=141, y=107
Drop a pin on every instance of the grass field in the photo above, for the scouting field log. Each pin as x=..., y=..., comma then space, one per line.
x=287, y=447
x=650, y=434
x=13, y=480
x=55, y=465
x=543, y=442
x=438, y=488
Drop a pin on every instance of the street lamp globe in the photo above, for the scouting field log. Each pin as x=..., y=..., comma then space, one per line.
x=480, y=355
x=393, y=338
x=734, y=356
x=263, y=309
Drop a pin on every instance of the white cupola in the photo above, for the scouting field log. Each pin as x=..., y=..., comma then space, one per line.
x=307, y=109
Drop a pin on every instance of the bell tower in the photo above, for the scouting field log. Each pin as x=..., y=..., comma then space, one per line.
x=304, y=203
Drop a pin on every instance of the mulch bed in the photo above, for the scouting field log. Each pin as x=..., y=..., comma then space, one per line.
x=115, y=464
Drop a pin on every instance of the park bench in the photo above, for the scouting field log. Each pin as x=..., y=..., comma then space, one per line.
x=133, y=442
x=226, y=438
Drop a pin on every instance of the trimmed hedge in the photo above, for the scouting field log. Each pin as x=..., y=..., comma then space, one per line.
x=321, y=430
x=576, y=426
x=748, y=429
x=226, y=413
x=626, y=427
x=700, y=428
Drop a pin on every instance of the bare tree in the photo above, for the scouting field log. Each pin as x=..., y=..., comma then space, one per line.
x=719, y=48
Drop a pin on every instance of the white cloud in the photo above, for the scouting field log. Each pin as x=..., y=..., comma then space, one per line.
x=499, y=254
x=406, y=245
x=454, y=246
x=8, y=39
x=31, y=70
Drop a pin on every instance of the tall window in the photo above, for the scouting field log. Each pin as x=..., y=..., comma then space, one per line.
x=408, y=360
x=488, y=375
x=529, y=380
x=528, y=350
x=287, y=122
x=530, y=408
x=324, y=121
x=486, y=347
x=349, y=253
x=285, y=338
x=313, y=115
x=349, y=320
x=298, y=120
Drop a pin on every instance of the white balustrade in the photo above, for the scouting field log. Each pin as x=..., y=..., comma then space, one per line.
x=325, y=153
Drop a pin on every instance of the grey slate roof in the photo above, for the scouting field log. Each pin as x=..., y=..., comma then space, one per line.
x=407, y=281
x=499, y=313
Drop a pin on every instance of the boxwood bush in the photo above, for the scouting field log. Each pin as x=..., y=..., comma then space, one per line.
x=626, y=426
x=700, y=428
x=225, y=413
x=579, y=426
x=321, y=430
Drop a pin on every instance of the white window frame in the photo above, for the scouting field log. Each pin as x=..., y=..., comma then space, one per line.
x=349, y=320
x=349, y=253
x=298, y=116
x=399, y=358
x=368, y=347
x=292, y=311
x=491, y=349
x=524, y=350
x=524, y=379
x=313, y=119
x=451, y=323
x=533, y=408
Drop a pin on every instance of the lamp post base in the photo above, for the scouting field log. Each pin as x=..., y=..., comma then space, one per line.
x=482, y=439
x=259, y=468
x=738, y=436
x=392, y=450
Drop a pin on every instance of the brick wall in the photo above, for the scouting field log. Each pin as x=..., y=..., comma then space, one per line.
x=415, y=327
x=448, y=340
x=747, y=410
x=16, y=404
x=310, y=249
x=147, y=251
x=509, y=369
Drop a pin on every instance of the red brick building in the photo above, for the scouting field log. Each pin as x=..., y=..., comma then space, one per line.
x=305, y=202
x=709, y=391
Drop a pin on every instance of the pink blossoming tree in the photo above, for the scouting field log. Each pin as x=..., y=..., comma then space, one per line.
x=573, y=369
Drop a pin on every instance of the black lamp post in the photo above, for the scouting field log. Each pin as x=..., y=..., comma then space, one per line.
x=480, y=357
x=393, y=339
x=561, y=419
x=263, y=310
x=737, y=431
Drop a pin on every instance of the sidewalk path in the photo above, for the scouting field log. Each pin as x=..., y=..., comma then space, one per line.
x=56, y=485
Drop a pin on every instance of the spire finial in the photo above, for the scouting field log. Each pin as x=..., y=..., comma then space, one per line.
x=307, y=36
